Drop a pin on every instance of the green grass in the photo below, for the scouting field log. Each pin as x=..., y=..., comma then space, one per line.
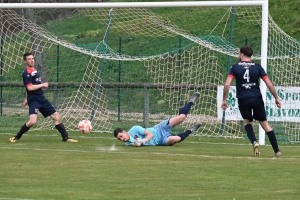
x=40, y=166
x=284, y=12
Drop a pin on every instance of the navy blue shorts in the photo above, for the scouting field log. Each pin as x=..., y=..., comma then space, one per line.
x=41, y=105
x=253, y=108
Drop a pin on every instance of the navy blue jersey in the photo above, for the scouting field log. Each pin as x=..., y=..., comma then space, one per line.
x=32, y=77
x=247, y=76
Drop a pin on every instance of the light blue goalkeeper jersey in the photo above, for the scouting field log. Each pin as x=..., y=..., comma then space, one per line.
x=138, y=132
x=160, y=132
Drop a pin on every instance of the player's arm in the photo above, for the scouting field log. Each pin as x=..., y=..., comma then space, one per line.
x=139, y=141
x=25, y=100
x=136, y=130
x=226, y=91
x=141, y=132
x=31, y=87
x=134, y=144
x=271, y=88
x=148, y=135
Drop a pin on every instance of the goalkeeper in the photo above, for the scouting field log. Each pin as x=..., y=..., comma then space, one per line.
x=159, y=135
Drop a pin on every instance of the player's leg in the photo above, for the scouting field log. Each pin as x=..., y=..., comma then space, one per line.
x=186, y=108
x=33, y=111
x=184, y=111
x=250, y=132
x=259, y=113
x=61, y=128
x=188, y=131
x=171, y=140
x=177, y=120
x=251, y=137
x=272, y=137
x=245, y=107
x=49, y=110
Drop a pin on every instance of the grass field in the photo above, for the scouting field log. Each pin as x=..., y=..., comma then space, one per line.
x=40, y=166
x=99, y=167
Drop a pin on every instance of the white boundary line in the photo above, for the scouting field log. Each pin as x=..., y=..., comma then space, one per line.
x=154, y=153
x=41, y=149
x=112, y=138
x=112, y=149
x=14, y=199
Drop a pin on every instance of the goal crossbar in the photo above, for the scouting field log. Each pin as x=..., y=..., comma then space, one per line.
x=134, y=4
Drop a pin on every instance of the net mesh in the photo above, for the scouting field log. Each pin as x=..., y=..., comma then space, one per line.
x=133, y=65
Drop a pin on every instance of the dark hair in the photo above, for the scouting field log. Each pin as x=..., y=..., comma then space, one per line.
x=117, y=131
x=27, y=54
x=247, y=51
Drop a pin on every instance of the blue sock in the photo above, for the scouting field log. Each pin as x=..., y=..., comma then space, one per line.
x=186, y=108
x=184, y=135
x=273, y=140
x=250, y=133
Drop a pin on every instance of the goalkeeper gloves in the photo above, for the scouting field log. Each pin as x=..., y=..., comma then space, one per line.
x=139, y=142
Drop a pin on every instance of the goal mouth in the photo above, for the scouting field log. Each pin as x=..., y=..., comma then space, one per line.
x=139, y=63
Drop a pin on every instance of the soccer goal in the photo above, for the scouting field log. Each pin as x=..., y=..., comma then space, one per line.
x=137, y=63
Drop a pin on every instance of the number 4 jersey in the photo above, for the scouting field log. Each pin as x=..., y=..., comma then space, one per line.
x=247, y=75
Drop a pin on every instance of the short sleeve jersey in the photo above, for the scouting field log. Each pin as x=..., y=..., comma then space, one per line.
x=32, y=77
x=138, y=132
x=247, y=76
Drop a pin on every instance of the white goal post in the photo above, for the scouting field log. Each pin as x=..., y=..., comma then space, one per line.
x=262, y=3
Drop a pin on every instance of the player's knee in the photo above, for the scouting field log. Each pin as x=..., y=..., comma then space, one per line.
x=182, y=117
x=173, y=140
x=31, y=122
x=56, y=116
x=246, y=122
x=265, y=125
x=267, y=129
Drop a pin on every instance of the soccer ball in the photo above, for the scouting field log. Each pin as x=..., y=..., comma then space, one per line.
x=85, y=126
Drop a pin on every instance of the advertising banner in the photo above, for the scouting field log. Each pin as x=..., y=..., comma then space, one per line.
x=289, y=97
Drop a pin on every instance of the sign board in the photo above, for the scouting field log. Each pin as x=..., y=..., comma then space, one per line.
x=289, y=97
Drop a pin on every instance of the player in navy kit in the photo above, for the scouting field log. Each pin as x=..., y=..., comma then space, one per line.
x=160, y=134
x=37, y=102
x=251, y=104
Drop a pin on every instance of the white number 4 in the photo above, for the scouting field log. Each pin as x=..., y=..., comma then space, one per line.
x=246, y=75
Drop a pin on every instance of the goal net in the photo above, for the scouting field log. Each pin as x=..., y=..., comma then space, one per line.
x=124, y=66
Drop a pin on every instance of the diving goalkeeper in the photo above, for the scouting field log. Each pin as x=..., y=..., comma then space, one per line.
x=160, y=134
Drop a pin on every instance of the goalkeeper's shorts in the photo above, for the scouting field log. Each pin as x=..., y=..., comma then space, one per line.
x=163, y=131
